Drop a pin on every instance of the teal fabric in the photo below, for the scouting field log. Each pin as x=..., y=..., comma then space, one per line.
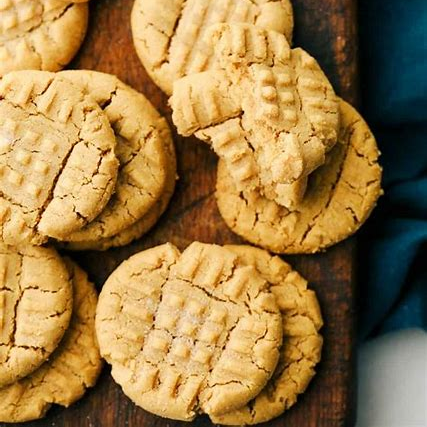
x=393, y=245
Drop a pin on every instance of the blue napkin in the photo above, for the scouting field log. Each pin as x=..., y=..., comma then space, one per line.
x=393, y=245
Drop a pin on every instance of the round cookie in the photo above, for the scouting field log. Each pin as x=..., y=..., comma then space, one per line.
x=73, y=367
x=169, y=35
x=268, y=110
x=35, y=308
x=340, y=197
x=40, y=34
x=145, y=151
x=57, y=163
x=188, y=333
x=302, y=343
x=140, y=227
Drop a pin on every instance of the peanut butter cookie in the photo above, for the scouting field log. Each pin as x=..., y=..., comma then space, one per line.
x=146, y=154
x=72, y=368
x=188, y=333
x=169, y=35
x=268, y=111
x=140, y=227
x=35, y=308
x=340, y=197
x=302, y=343
x=57, y=163
x=40, y=34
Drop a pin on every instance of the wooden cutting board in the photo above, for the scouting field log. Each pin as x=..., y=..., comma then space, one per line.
x=325, y=28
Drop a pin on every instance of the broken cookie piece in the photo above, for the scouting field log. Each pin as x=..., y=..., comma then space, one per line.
x=268, y=111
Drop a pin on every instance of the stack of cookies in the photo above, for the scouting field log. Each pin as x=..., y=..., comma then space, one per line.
x=48, y=348
x=298, y=168
x=85, y=160
x=231, y=332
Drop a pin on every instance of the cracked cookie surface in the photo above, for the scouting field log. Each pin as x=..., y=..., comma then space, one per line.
x=40, y=34
x=188, y=333
x=57, y=163
x=35, y=308
x=142, y=225
x=73, y=367
x=169, y=35
x=340, y=197
x=145, y=152
x=269, y=111
x=302, y=343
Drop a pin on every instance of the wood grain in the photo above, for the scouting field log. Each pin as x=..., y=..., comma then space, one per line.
x=327, y=29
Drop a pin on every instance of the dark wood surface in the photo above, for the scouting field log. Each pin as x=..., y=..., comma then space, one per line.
x=327, y=29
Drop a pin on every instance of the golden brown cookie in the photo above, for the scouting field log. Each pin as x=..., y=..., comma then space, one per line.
x=145, y=151
x=35, y=308
x=73, y=367
x=269, y=111
x=57, y=163
x=340, y=197
x=188, y=333
x=302, y=343
x=169, y=35
x=140, y=227
x=40, y=34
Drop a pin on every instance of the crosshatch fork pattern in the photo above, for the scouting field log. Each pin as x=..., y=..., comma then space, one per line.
x=40, y=34
x=200, y=336
x=57, y=150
